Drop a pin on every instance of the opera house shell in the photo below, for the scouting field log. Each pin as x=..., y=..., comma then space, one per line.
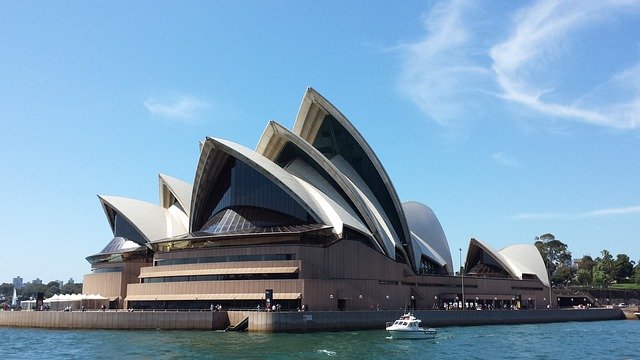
x=308, y=220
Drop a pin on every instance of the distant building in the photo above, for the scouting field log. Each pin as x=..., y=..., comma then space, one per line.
x=71, y=281
x=18, y=282
x=60, y=283
x=37, y=281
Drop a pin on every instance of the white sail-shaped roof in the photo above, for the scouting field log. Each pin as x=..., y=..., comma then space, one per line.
x=339, y=188
x=425, y=225
x=152, y=221
x=517, y=260
x=526, y=259
x=313, y=113
x=175, y=196
x=172, y=190
x=422, y=247
x=294, y=187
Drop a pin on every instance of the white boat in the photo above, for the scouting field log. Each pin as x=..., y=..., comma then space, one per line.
x=407, y=327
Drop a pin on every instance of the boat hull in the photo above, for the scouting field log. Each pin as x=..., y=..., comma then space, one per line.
x=419, y=334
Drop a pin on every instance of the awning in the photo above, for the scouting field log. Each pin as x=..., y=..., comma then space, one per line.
x=212, y=297
x=221, y=271
x=74, y=297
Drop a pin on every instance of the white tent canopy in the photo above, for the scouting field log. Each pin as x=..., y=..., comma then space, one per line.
x=76, y=301
x=74, y=297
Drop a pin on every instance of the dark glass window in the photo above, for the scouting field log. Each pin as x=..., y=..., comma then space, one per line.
x=332, y=139
x=349, y=234
x=224, y=277
x=486, y=265
x=428, y=266
x=247, y=218
x=125, y=229
x=238, y=186
x=229, y=258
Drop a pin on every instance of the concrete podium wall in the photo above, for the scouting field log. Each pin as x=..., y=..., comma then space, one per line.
x=120, y=320
x=288, y=321
x=339, y=320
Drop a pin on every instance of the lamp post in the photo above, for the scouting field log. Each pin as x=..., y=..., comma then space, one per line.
x=462, y=273
x=550, y=291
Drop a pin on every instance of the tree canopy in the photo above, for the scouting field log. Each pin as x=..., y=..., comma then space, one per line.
x=601, y=271
x=556, y=256
x=49, y=290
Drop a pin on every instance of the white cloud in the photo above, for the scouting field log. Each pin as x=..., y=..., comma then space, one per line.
x=438, y=73
x=460, y=70
x=538, y=35
x=178, y=108
x=501, y=158
x=570, y=216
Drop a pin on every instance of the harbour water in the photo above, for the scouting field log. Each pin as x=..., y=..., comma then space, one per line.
x=589, y=340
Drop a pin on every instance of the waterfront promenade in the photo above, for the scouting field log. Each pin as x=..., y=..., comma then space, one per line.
x=289, y=321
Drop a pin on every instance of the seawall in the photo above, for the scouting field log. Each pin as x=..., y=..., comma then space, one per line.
x=329, y=320
x=116, y=320
x=289, y=321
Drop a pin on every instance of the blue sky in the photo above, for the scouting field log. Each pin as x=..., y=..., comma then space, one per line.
x=509, y=119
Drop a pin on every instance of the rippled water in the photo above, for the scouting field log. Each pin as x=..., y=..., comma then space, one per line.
x=587, y=340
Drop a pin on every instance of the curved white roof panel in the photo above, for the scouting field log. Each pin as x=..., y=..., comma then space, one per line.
x=172, y=190
x=526, y=259
x=422, y=247
x=337, y=213
x=321, y=124
x=212, y=158
x=152, y=221
x=277, y=141
x=477, y=245
x=518, y=260
x=424, y=223
x=383, y=225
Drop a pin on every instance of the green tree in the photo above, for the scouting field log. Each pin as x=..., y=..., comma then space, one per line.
x=53, y=287
x=636, y=273
x=30, y=291
x=563, y=275
x=604, y=269
x=71, y=288
x=553, y=251
x=623, y=268
x=6, y=289
x=584, y=275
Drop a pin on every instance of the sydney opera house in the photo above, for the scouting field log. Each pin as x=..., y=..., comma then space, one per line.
x=308, y=220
